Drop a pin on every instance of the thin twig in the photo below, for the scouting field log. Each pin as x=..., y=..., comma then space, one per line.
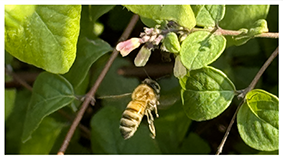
x=251, y=86
x=16, y=78
x=221, y=31
x=84, y=129
x=220, y=147
x=263, y=68
x=91, y=93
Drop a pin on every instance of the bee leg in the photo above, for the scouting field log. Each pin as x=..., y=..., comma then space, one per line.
x=152, y=130
x=154, y=106
x=149, y=116
x=150, y=120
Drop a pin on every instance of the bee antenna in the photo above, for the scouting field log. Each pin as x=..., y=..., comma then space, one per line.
x=165, y=76
x=146, y=73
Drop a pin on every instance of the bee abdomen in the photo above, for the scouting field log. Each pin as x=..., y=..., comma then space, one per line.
x=131, y=119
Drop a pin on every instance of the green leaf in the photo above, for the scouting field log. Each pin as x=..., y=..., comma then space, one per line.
x=14, y=124
x=182, y=14
x=201, y=48
x=243, y=16
x=171, y=43
x=88, y=52
x=10, y=96
x=151, y=22
x=44, y=36
x=50, y=93
x=259, y=27
x=106, y=137
x=43, y=138
x=264, y=105
x=97, y=11
x=194, y=144
x=258, y=120
x=206, y=93
x=90, y=14
x=208, y=15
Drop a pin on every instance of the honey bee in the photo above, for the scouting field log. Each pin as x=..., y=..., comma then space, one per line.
x=144, y=100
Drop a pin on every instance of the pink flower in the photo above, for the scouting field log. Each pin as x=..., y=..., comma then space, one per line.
x=125, y=47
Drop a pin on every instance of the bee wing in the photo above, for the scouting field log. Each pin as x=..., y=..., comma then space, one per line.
x=168, y=100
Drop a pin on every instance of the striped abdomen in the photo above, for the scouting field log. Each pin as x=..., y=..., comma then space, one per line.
x=132, y=117
x=144, y=100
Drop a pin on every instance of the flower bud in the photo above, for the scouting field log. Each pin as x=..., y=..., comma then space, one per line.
x=148, y=31
x=143, y=56
x=171, y=42
x=158, y=40
x=125, y=47
x=179, y=69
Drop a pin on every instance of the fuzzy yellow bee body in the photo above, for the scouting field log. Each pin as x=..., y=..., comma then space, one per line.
x=144, y=100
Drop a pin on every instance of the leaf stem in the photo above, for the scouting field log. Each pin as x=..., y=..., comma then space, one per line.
x=250, y=87
x=220, y=147
x=221, y=31
x=263, y=68
x=91, y=93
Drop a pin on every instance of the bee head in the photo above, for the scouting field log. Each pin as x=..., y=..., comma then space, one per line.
x=153, y=84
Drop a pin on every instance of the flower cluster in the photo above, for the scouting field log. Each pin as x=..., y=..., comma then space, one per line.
x=151, y=37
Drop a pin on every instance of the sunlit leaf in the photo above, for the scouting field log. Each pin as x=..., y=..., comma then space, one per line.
x=206, y=93
x=258, y=120
x=171, y=43
x=44, y=36
x=260, y=26
x=182, y=14
x=201, y=48
x=208, y=15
